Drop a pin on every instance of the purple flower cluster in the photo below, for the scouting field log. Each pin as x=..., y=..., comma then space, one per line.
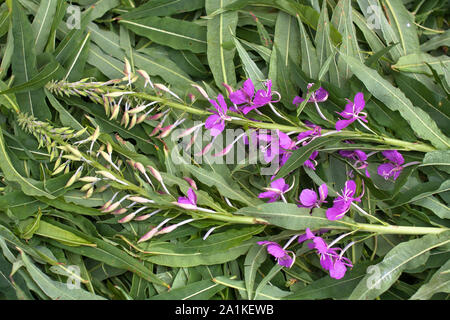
x=331, y=259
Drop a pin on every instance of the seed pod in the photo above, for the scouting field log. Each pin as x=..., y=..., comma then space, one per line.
x=107, y=175
x=119, y=211
x=133, y=121
x=109, y=148
x=148, y=235
x=89, y=179
x=89, y=193
x=106, y=105
x=115, y=112
x=138, y=109
x=125, y=119
x=60, y=168
x=140, y=199
x=75, y=177
x=86, y=187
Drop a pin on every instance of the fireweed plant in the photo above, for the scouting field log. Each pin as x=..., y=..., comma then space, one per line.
x=296, y=177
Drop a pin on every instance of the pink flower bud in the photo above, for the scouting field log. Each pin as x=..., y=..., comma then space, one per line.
x=191, y=182
x=201, y=90
x=155, y=173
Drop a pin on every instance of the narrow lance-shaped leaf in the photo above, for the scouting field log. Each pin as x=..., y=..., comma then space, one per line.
x=175, y=33
x=24, y=64
x=394, y=99
x=405, y=255
x=219, y=34
x=42, y=23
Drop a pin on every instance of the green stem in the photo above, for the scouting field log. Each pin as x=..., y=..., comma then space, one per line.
x=391, y=229
x=412, y=146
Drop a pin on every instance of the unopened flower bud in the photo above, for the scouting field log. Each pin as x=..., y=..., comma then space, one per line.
x=155, y=173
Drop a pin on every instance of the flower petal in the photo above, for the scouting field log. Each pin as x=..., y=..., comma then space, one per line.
x=341, y=124
x=308, y=198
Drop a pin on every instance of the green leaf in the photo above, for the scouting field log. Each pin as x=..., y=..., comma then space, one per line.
x=302, y=154
x=407, y=254
x=56, y=290
x=200, y=290
x=163, y=8
x=267, y=293
x=49, y=72
x=27, y=185
x=220, y=30
x=51, y=231
x=253, y=260
x=291, y=217
x=232, y=191
x=440, y=159
x=403, y=24
x=437, y=106
x=175, y=33
x=24, y=65
x=307, y=14
x=417, y=63
x=329, y=288
x=310, y=63
x=394, y=99
x=436, y=42
x=439, y=282
x=343, y=20
x=251, y=69
x=42, y=23
x=218, y=248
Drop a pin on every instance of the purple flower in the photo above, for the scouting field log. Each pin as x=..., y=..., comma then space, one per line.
x=248, y=99
x=279, y=144
x=308, y=197
x=189, y=202
x=330, y=260
x=309, y=135
x=320, y=95
x=392, y=168
x=216, y=122
x=359, y=157
x=311, y=163
x=342, y=203
x=282, y=256
x=276, y=190
x=352, y=112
